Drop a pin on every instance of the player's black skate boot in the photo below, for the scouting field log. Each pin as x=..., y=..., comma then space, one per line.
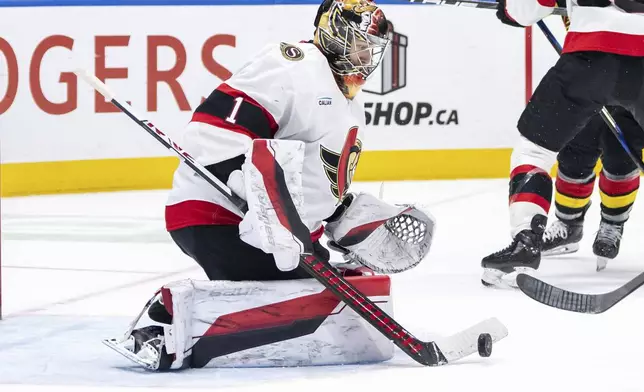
x=562, y=237
x=524, y=253
x=607, y=241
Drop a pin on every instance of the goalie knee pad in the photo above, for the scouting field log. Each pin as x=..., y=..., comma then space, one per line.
x=385, y=238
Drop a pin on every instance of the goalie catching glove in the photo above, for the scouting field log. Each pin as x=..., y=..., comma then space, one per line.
x=382, y=237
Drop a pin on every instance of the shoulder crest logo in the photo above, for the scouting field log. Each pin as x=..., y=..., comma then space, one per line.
x=291, y=52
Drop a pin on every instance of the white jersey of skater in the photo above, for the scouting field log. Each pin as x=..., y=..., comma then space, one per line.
x=286, y=92
x=608, y=29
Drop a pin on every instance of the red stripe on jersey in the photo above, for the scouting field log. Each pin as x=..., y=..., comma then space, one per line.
x=605, y=41
x=531, y=198
x=233, y=92
x=575, y=190
x=196, y=213
x=548, y=3
x=522, y=169
x=620, y=187
x=317, y=234
x=215, y=121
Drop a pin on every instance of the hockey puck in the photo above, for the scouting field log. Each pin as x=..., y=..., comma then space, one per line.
x=485, y=344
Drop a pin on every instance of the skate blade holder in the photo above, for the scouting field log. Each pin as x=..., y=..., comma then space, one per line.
x=121, y=347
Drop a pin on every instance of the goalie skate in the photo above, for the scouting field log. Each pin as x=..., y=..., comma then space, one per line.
x=145, y=347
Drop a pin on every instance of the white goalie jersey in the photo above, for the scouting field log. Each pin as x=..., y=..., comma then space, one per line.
x=286, y=92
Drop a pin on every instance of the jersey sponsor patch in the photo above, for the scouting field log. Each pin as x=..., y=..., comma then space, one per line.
x=291, y=52
x=325, y=101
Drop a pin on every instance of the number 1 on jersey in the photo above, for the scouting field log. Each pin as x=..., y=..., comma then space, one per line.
x=233, y=114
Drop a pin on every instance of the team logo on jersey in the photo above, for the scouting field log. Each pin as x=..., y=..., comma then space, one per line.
x=291, y=52
x=340, y=167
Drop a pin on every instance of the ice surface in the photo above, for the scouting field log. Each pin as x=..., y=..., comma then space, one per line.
x=77, y=268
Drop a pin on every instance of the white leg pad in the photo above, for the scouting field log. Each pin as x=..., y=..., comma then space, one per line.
x=266, y=324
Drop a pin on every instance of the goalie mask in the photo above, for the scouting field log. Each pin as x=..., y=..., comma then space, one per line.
x=354, y=35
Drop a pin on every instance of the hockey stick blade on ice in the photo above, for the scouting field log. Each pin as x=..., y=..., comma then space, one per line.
x=575, y=302
x=490, y=5
x=476, y=338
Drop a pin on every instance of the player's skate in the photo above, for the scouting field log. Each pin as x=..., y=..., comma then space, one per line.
x=607, y=241
x=521, y=256
x=562, y=238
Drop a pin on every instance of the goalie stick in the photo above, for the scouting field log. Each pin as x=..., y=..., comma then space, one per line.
x=439, y=352
x=490, y=5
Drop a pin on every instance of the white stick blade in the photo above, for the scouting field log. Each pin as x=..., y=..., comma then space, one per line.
x=465, y=342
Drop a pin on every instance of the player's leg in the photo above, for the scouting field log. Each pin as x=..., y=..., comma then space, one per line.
x=628, y=93
x=223, y=256
x=618, y=183
x=567, y=97
x=573, y=187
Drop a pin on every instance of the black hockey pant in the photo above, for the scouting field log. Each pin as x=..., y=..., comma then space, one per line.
x=569, y=95
x=618, y=180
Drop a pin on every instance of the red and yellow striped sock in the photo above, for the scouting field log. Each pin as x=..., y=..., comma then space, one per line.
x=618, y=193
x=572, y=196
